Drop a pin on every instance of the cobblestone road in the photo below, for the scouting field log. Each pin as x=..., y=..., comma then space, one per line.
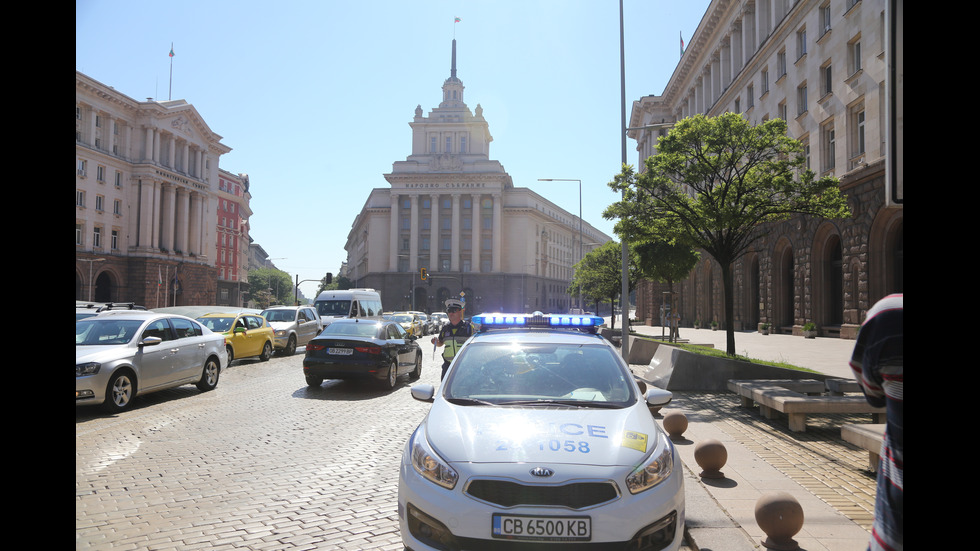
x=262, y=462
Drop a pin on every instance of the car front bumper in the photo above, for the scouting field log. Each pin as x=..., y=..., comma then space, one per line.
x=432, y=517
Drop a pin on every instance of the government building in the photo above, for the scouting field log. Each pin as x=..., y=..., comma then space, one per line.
x=822, y=66
x=156, y=222
x=455, y=213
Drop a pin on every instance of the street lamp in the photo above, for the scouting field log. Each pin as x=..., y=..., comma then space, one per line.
x=580, y=256
x=91, y=265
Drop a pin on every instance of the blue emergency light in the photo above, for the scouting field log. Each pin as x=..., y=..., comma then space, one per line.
x=537, y=320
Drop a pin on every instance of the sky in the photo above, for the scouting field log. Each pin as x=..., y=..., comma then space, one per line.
x=314, y=98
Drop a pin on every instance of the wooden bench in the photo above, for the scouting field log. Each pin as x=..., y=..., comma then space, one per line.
x=785, y=396
x=838, y=387
x=868, y=437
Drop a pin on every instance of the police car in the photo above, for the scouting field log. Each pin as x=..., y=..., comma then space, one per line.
x=538, y=436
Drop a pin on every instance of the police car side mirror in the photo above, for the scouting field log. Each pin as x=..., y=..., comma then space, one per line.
x=659, y=397
x=423, y=392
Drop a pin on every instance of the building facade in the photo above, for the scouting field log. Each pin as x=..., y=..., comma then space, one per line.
x=146, y=185
x=821, y=66
x=454, y=212
x=232, y=241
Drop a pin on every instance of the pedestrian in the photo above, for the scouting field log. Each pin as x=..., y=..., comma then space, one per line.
x=453, y=334
x=877, y=363
x=675, y=322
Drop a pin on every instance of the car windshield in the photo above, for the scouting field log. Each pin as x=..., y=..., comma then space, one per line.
x=401, y=318
x=539, y=374
x=218, y=325
x=333, y=307
x=90, y=331
x=352, y=329
x=279, y=315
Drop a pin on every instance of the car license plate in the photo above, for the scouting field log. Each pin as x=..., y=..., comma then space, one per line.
x=340, y=351
x=536, y=528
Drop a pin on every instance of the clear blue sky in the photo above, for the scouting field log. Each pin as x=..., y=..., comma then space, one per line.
x=315, y=97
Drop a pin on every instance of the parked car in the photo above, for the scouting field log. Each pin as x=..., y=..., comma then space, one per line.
x=439, y=319
x=539, y=436
x=122, y=354
x=293, y=325
x=409, y=322
x=88, y=309
x=362, y=349
x=246, y=335
x=423, y=321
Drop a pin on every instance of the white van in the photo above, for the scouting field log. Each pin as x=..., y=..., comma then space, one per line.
x=350, y=303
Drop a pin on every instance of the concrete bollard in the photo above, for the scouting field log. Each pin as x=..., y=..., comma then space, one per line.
x=675, y=423
x=711, y=455
x=780, y=516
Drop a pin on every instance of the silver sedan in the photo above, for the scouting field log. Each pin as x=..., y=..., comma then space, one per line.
x=119, y=355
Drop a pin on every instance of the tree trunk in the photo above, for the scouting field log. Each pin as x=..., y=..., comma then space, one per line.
x=726, y=277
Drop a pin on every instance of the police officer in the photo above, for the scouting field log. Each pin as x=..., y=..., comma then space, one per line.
x=453, y=334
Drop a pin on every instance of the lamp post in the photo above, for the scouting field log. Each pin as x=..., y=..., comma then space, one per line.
x=91, y=270
x=580, y=255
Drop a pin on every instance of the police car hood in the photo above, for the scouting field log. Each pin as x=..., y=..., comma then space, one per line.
x=553, y=434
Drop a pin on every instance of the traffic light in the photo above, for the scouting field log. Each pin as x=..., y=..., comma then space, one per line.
x=424, y=273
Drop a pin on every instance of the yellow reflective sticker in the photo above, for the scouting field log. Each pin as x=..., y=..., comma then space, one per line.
x=635, y=440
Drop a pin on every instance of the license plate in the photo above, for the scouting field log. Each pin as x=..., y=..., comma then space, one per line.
x=537, y=528
x=340, y=351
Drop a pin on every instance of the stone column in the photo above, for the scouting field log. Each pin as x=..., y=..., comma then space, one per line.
x=498, y=213
x=413, y=241
x=476, y=236
x=393, y=235
x=435, y=241
x=454, y=253
x=167, y=214
x=182, y=222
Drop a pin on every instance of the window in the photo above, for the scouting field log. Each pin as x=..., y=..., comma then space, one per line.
x=79, y=198
x=782, y=110
x=99, y=203
x=781, y=64
x=738, y=105
x=467, y=223
x=826, y=79
x=81, y=167
x=750, y=96
x=825, y=18
x=118, y=179
x=449, y=145
x=854, y=56
x=97, y=238
x=856, y=134
x=487, y=223
x=801, y=43
x=828, y=138
x=764, y=81
x=462, y=144
x=78, y=234
x=425, y=243
x=117, y=207
x=114, y=240
x=801, y=99
x=432, y=145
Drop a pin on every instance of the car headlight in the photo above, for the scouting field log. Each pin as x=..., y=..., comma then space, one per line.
x=88, y=368
x=430, y=465
x=280, y=333
x=654, y=470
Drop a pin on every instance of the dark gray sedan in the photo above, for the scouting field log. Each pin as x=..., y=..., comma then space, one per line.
x=375, y=350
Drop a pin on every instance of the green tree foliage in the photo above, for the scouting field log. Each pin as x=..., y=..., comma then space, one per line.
x=664, y=260
x=270, y=286
x=599, y=274
x=713, y=181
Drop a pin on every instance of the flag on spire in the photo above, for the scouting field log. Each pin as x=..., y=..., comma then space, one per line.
x=171, y=49
x=682, y=42
x=457, y=20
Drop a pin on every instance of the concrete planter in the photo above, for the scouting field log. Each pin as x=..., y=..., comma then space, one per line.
x=672, y=368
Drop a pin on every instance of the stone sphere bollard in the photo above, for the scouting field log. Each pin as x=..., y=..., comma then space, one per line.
x=711, y=455
x=781, y=517
x=675, y=423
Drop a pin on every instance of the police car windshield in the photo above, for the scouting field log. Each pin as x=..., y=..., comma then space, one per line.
x=539, y=374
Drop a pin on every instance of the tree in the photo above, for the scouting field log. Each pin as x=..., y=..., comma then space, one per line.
x=713, y=182
x=599, y=274
x=664, y=260
x=276, y=283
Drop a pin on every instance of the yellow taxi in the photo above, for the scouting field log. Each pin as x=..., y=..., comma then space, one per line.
x=246, y=335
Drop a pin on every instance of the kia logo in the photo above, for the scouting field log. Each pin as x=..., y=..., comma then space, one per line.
x=542, y=471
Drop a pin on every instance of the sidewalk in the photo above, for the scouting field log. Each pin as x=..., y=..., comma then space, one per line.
x=827, y=476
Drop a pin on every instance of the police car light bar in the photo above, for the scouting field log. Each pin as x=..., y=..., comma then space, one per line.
x=553, y=321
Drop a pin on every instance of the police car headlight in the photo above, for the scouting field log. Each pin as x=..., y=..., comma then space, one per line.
x=428, y=464
x=654, y=470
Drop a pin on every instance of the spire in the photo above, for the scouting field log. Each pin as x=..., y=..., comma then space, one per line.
x=452, y=89
x=452, y=72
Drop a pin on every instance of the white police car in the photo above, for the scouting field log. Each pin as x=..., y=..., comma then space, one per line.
x=540, y=436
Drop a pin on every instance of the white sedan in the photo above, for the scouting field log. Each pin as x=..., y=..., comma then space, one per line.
x=540, y=434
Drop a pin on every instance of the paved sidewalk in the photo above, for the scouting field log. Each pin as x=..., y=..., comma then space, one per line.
x=828, y=476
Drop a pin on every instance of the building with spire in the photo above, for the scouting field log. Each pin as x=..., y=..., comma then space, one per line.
x=454, y=213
